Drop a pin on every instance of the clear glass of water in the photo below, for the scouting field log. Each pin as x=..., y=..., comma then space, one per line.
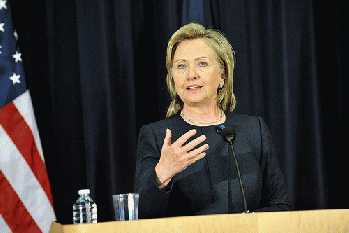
x=126, y=206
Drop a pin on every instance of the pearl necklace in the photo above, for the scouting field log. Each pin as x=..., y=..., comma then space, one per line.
x=196, y=122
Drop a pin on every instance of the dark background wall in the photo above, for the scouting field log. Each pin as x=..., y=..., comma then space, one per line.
x=96, y=72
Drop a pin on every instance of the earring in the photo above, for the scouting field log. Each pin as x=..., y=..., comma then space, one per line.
x=221, y=84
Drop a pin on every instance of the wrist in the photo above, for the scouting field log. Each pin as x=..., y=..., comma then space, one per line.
x=162, y=179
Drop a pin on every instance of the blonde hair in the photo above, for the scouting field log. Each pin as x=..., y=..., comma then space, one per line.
x=224, y=55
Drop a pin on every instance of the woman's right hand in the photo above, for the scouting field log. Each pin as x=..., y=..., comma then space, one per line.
x=176, y=157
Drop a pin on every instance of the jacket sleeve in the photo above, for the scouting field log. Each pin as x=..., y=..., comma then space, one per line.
x=274, y=192
x=152, y=200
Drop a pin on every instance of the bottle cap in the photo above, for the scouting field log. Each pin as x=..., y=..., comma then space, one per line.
x=84, y=191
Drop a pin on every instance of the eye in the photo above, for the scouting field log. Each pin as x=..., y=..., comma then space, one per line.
x=203, y=64
x=180, y=66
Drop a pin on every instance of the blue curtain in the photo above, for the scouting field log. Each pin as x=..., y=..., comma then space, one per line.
x=96, y=71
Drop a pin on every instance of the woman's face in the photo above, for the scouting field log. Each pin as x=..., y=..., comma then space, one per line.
x=196, y=73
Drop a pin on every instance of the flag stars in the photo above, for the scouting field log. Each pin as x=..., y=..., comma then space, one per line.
x=17, y=56
x=3, y=4
x=15, y=78
x=2, y=27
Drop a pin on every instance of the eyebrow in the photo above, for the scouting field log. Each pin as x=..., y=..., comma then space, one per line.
x=194, y=59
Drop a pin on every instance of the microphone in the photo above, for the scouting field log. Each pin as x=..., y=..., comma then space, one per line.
x=228, y=134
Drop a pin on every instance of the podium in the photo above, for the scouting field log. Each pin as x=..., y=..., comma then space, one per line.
x=292, y=221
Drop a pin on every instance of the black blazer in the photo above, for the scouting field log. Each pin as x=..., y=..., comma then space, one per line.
x=203, y=187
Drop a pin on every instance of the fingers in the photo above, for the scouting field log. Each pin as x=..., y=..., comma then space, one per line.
x=180, y=141
x=190, y=145
x=199, y=150
x=197, y=154
x=176, y=157
x=193, y=159
x=167, y=139
x=197, y=157
x=194, y=143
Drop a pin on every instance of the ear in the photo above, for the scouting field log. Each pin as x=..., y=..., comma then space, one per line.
x=223, y=77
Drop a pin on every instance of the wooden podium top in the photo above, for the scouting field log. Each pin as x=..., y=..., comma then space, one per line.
x=292, y=221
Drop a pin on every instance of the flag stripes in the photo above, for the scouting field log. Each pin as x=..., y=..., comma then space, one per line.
x=18, y=130
x=26, y=200
x=3, y=226
x=19, y=220
x=24, y=106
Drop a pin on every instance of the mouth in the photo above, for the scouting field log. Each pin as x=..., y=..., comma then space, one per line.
x=194, y=87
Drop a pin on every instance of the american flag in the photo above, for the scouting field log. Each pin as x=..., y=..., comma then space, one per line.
x=26, y=203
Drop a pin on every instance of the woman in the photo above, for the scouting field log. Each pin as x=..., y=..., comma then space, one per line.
x=184, y=167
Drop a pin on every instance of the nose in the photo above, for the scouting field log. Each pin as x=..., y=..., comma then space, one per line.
x=192, y=73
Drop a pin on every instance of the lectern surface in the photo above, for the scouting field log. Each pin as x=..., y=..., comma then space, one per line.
x=292, y=221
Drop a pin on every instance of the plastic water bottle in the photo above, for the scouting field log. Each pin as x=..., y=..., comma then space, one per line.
x=84, y=209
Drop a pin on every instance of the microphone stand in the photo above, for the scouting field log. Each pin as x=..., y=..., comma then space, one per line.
x=230, y=139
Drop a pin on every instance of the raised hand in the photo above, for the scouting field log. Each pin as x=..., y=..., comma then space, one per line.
x=176, y=157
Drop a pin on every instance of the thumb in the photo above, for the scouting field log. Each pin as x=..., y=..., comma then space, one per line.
x=167, y=140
